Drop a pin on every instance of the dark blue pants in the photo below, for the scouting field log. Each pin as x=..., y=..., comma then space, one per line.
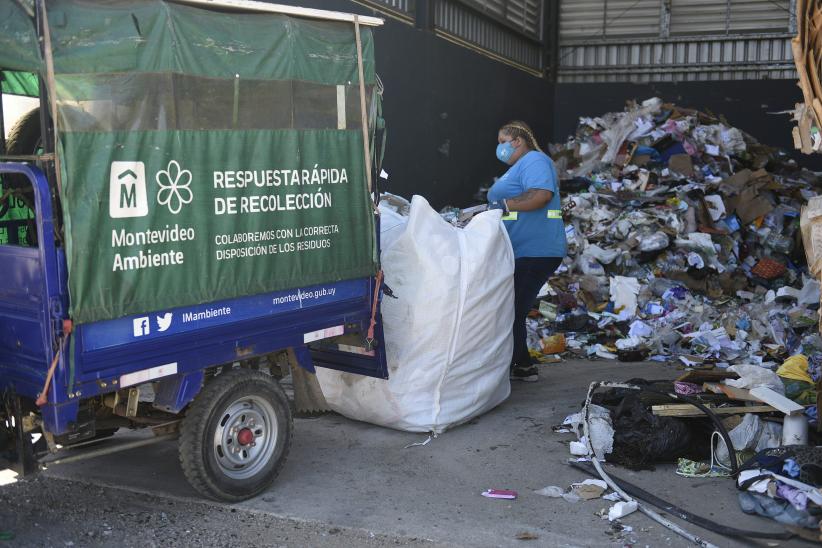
x=530, y=273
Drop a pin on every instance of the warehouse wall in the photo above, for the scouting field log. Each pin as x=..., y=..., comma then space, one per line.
x=746, y=104
x=443, y=105
x=675, y=40
x=732, y=57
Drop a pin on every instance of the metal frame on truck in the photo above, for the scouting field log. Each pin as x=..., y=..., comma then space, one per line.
x=206, y=371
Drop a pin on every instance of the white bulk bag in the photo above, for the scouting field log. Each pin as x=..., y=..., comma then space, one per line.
x=392, y=225
x=447, y=334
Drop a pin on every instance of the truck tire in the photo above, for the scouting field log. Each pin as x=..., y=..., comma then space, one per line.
x=24, y=136
x=23, y=140
x=236, y=436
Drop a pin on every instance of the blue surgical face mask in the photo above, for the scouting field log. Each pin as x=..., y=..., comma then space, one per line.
x=505, y=151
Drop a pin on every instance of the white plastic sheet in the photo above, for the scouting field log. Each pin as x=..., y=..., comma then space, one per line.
x=601, y=429
x=447, y=335
x=752, y=434
x=753, y=376
x=624, y=292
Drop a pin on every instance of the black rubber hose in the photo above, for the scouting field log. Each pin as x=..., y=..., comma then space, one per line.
x=684, y=515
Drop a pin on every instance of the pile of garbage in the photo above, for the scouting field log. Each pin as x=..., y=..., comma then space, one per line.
x=690, y=242
x=684, y=245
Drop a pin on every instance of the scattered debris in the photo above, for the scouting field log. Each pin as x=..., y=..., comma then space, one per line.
x=688, y=468
x=500, y=494
x=622, y=534
x=551, y=491
x=602, y=432
x=622, y=509
x=589, y=489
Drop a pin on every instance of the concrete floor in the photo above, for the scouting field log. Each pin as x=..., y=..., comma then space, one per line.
x=355, y=475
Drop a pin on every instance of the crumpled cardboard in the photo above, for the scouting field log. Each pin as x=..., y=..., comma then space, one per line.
x=811, y=227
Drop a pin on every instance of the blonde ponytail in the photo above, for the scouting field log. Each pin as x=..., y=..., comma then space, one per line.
x=517, y=128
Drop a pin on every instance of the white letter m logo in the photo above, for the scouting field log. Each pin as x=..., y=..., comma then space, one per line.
x=127, y=190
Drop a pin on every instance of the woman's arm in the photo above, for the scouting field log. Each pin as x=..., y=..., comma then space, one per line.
x=535, y=198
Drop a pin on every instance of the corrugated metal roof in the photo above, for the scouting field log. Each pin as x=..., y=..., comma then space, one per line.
x=624, y=40
x=524, y=15
x=581, y=18
x=759, y=15
x=698, y=17
x=632, y=18
x=729, y=16
x=470, y=26
x=739, y=57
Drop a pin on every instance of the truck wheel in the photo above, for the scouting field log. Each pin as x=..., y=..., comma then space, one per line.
x=24, y=136
x=23, y=140
x=236, y=436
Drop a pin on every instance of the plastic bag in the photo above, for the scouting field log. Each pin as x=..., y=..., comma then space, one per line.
x=654, y=242
x=642, y=438
x=604, y=256
x=795, y=368
x=753, y=376
x=624, y=293
x=751, y=435
x=590, y=266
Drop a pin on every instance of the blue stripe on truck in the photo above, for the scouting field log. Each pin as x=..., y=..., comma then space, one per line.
x=163, y=323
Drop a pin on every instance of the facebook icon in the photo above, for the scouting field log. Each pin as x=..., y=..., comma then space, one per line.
x=141, y=326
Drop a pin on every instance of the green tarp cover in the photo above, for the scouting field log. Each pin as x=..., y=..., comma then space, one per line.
x=154, y=36
x=207, y=155
x=19, y=83
x=19, y=48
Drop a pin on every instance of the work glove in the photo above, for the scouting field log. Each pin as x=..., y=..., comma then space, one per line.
x=499, y=204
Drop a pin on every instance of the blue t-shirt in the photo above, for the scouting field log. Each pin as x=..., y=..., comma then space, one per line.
x=538, y=233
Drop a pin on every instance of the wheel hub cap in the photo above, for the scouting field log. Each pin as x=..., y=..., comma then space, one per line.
x=245, y=437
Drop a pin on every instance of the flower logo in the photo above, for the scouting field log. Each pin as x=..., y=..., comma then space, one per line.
x=174, y=191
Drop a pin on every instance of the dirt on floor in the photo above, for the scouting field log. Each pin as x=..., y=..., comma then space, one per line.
x=53, y=512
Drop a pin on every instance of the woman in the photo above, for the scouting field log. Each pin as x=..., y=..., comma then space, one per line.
x=528, y=193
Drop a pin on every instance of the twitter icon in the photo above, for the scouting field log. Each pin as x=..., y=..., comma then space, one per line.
x=164, y=321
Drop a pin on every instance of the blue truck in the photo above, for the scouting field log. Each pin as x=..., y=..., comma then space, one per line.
x=201, y=367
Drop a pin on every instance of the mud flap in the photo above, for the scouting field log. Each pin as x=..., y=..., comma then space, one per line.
x=308, y=396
